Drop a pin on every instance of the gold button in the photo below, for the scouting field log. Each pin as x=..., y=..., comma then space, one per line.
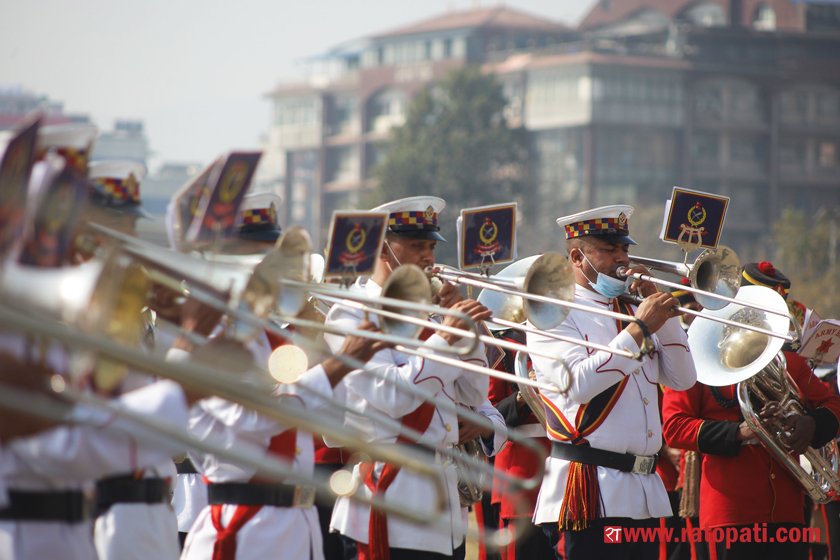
x=650, y=433
x=646, y=401
x=448, y=427
x=297, y=450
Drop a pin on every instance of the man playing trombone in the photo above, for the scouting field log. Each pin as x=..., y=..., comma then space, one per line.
x=412, y=235
x=606, y=431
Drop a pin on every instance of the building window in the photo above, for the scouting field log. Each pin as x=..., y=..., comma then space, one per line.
x=828, y=106
x=746, y=103
x=706, y=147
x=705, y=14
x=296, y=111
x=746, y=150
x=794, y=106
x=792, y=157
x=386, y=110
x=708, y=102
x=827, y=154
x=345, y=115
x=375, y=154
x=765, y=18
x=342, y=164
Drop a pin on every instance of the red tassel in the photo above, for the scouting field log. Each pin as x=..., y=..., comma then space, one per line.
x=581, y=500
x=767, y=268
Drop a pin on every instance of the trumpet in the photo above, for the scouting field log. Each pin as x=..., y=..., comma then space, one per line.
x=247, y=282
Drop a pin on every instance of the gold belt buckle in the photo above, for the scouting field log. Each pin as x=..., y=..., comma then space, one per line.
x=644, y=464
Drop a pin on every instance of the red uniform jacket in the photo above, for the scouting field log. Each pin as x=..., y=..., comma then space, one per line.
x=744, y=484
x=513, y=458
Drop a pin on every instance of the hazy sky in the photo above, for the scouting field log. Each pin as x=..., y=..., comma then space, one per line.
x=195, y=71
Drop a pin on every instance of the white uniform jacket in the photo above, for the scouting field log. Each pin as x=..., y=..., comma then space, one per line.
x=633, y=425
x=72, y=457
x=289, y=532
x=384, y=393
x=489, y=411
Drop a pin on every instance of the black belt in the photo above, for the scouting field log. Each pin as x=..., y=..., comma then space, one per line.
x=69, y=506
x=256, y=494
x=626, y=462
x=130, y=490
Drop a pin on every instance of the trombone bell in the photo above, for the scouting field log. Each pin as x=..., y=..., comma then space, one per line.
x=716, y=271
x=507, y=306
x=551, y=276
x=408, y=283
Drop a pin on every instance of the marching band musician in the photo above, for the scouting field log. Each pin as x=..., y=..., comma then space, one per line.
x=411, y=237
x=48, y=474
x=48, y=514
x=257, y=233
x=681, y=481
x=491, y=442
x=248, y=517
x=606, y=430
x=515, y=508
x=134, y=515
x=743, y=489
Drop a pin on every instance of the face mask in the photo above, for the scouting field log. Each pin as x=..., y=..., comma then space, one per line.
x=608, y=286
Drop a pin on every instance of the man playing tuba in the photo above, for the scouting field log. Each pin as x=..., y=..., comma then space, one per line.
x=750, y=505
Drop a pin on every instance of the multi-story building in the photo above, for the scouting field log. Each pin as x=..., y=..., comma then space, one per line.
x=735, y=97
x=17, y=102
x=127, y=141
x=328, y=134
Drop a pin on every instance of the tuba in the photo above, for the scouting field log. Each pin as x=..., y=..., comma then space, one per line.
x=725, y=355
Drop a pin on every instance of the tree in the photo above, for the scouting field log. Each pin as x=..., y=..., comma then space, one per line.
x=456, y=144
x=807, y=252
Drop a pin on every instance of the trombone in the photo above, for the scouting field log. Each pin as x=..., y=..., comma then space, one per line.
x=213, y=382
x=410, y=279
x=547, y=290
x=152, y=431
x=715, y=280
x=714, y=277
x=280, y=272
